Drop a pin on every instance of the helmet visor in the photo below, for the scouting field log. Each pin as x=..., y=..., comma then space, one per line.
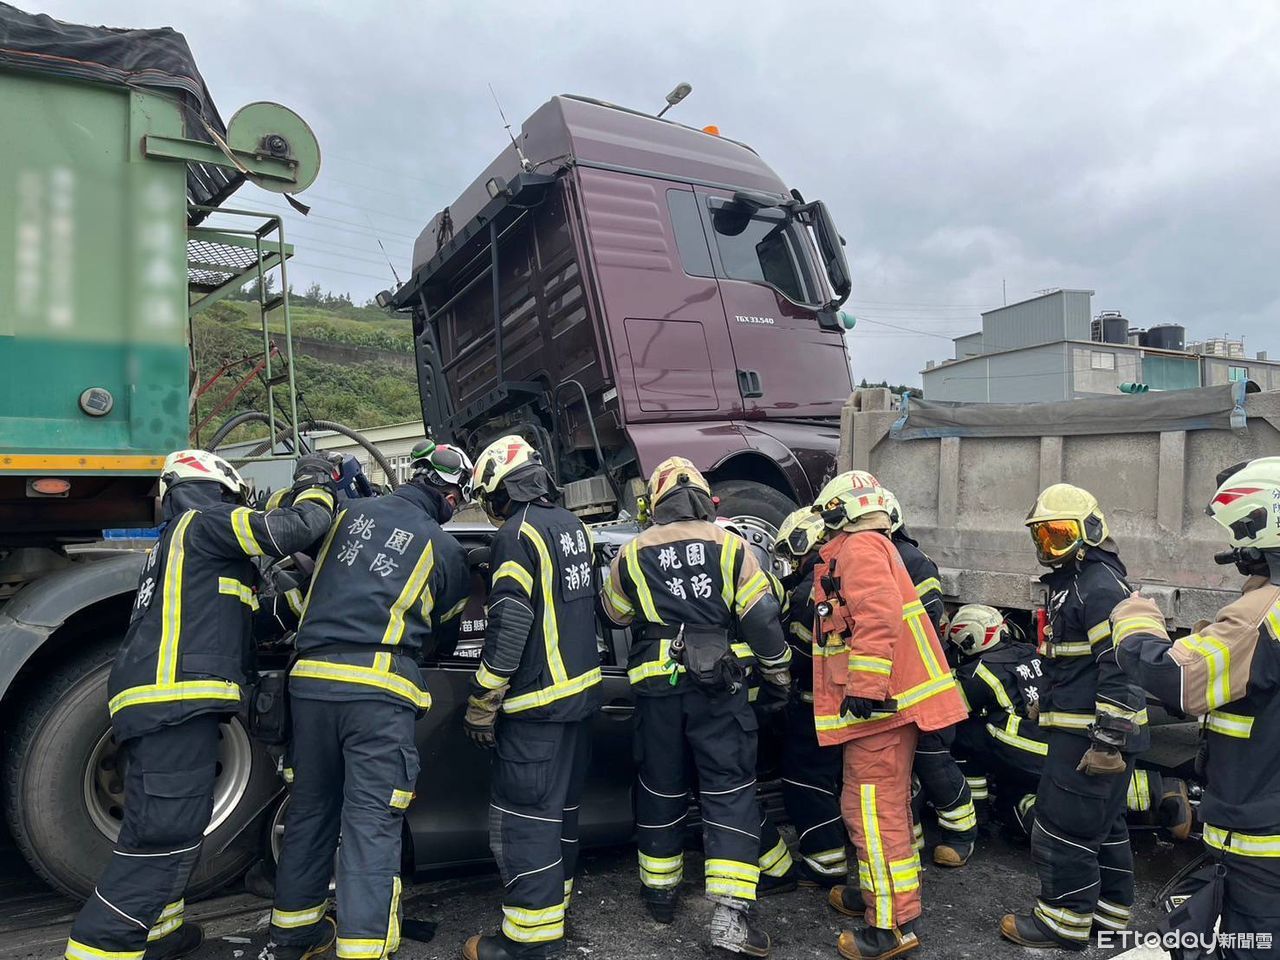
x=1055, y=539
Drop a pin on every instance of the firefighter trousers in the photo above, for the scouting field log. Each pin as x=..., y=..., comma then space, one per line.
x=719, y=732
x=1250, y=905
x=944, y=787
x=876, y=804
x=168, y=800
x=811, y=794
x=537, y=777
x=1080, y=845
x=355, y=766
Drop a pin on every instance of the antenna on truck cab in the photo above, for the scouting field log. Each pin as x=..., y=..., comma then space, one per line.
x=524, y=161
x=681, y=91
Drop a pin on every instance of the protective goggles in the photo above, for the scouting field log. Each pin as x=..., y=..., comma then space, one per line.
x=1056, y=539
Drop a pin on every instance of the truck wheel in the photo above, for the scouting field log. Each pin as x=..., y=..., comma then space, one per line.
x=64, y=787
x=755, y=505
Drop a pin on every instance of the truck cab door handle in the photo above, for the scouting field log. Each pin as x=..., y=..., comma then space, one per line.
x=749, y=384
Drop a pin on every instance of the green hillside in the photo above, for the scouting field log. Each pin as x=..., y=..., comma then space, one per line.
x=361, y=394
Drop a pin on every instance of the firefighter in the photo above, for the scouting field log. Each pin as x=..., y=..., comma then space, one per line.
x=179, y=674
x=388, y=581
x=1095, y=721
x=689, y=586
x=1229, y=673
x=942, y=783
x=810, y=772
x=880, y=679
x=534, y=695
x=1000, y=678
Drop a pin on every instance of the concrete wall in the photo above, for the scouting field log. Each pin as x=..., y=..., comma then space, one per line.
x=966, y=499
x=1061, y=315
x=1086, y=381
x=1218, y=370
x=1019, y=376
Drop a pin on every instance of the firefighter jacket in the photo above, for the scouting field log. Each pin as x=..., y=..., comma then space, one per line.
x=387, y=580
x=999, y=686
x=924, y=574
x=1227, y=672
x=797, y=624
x=541, y=634
x=872, y=639
x=188, y=647
x=690, y=572
x=1078, y=652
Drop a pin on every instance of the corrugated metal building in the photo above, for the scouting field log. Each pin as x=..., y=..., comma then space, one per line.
x=1040, y=349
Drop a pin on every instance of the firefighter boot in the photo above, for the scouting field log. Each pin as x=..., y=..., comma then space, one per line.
x=661, y=904
x=322, y=936
x=768, y=884
x=733, y=932
x=1174, y=809
x=809, y=877
x=499, y=947
x=181, y=942
x=1023, y=930
x=873, y=943
x=847, y=900
x=954, y=854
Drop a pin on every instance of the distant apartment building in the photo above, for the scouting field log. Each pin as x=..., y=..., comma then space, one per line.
x=1052, y=347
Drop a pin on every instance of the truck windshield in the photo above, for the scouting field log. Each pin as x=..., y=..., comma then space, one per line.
x=767, y=247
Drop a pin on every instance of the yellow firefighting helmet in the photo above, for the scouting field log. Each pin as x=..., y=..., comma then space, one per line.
x=896, y=519
x=184, y=466
x=1247, y=503
x=849, y=497
x=672, y=474
x=800, y=534
x=1065, y=520
x=498, y=461
x=977, y=628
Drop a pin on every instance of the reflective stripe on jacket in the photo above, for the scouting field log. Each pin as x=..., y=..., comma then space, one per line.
x=541, y=635
x=187, y=649
x=389, y=578
x=872, y=639
x=1227, y=673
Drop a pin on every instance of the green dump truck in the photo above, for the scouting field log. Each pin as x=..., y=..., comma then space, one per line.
x=115, y=172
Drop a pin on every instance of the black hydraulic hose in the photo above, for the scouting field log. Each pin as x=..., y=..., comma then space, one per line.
x=308, y=425
x=254, y=416
x=591, y=424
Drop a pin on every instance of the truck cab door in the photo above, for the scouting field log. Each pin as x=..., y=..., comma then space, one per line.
x=771, y=288
x=672, y=356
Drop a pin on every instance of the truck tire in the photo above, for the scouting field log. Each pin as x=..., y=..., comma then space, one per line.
x=63, y=787
x=747, y=498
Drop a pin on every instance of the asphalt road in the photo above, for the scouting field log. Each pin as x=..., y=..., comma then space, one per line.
x=608, y=922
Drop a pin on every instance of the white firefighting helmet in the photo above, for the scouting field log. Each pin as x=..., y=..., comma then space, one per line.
x=1064, y=520
x=442, y=465
x=976, y=628
x=896, y=519
x=184, y=466
x=672, y=474
x=1247, y=503
x=848, y=497
x=801, y=533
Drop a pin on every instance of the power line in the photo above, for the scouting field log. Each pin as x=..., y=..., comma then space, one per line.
x=895, y=326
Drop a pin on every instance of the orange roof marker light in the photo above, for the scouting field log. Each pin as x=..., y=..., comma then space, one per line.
x=712, y=129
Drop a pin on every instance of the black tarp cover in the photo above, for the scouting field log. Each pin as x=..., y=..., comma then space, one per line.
x=156, y=59
x=1221, y=407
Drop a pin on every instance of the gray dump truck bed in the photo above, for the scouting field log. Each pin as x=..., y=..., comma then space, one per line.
x=966, y=474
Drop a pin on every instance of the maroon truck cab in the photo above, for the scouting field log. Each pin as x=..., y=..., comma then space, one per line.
x=658, y=291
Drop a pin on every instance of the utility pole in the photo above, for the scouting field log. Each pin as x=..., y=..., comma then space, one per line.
x=1004, y=290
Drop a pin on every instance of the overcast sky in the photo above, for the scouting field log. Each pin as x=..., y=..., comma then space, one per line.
x=1128, y=148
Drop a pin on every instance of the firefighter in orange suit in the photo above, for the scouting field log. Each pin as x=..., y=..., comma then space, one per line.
x=880, y=679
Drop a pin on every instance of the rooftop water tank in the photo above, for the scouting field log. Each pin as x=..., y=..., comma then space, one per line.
x=1115, y=328
x=1167, y=336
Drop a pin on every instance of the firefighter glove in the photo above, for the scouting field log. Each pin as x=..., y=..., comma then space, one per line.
x=860, y=707
x=775, y=689
x=1101, y=760
x=315, y=470
x=1033, y=711
x=481, y=715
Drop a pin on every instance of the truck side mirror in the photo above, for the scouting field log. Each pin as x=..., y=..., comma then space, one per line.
x=832, y=249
